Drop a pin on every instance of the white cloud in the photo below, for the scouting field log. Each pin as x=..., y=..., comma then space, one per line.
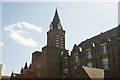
x=30, y=26
x=1, y=44
x=24, y=41
x=17, y=35
x=26, y=25
x=21, y=31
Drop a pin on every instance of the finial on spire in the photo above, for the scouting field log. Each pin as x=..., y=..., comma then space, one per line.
x=56, y=7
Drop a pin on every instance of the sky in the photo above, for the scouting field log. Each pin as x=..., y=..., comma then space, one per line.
x=25, y=25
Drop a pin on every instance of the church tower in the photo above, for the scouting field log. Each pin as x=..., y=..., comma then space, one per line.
x=56, y=34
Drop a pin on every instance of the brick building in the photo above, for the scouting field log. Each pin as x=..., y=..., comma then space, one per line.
x=101, y=51
x=96, y=57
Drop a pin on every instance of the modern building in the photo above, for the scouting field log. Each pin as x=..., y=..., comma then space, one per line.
x=6, y=77
x=1, y=70
x=97, y=57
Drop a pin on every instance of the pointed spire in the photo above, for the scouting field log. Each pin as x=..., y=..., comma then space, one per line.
x=30, y=66
x=12, y=74
x=75, y=45
x=26, y=67
x=21, y=70
x=56, y=19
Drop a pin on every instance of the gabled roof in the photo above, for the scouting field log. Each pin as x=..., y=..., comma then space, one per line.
x=87, y=73
x=94, y=72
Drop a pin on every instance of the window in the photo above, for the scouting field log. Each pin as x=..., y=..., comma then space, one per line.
x=61, y=41
x=61, y=53
x=93, y=44
x=57, y=37
x=80, y=48
x=38, y=64
x=59, y=26
x=89, y=64
x=89, y=53
x=56, y=40
x=51, y=26
x=105, y=63
x=76, y=57
x=61, y=37
x=66, y=70
x=61, y=45
x=104, y=48
x=65, y=60
x=75, y=67
x=38, y=74
x=109, y=39
x=57, y=45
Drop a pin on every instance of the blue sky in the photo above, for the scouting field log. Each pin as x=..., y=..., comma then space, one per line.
x=80, y=20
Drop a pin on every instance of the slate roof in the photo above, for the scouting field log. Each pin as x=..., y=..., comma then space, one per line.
x=94, y=72
x=56, y=19
x=108, y=34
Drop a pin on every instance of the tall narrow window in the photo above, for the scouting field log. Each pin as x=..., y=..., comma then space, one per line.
x=57, y=45
x=57, y=37
x=76, y=57
x=104, y=48
x=39, y=74
x=38, y=64
x=105, y=63
x=51, y=26
x=93, y=44
x=89, y=53
x=59, y=26
x=80, y=48
x=65, y=60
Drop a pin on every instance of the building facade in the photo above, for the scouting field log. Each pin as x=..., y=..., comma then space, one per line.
x=2, y=67
x=102, y=51
x=96, y=57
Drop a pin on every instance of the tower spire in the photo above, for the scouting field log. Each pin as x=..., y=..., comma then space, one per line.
x=56, y=34
x=26, y=67
x=56, y=19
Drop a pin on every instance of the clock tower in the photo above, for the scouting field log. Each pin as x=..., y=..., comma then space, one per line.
x=56, y=34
